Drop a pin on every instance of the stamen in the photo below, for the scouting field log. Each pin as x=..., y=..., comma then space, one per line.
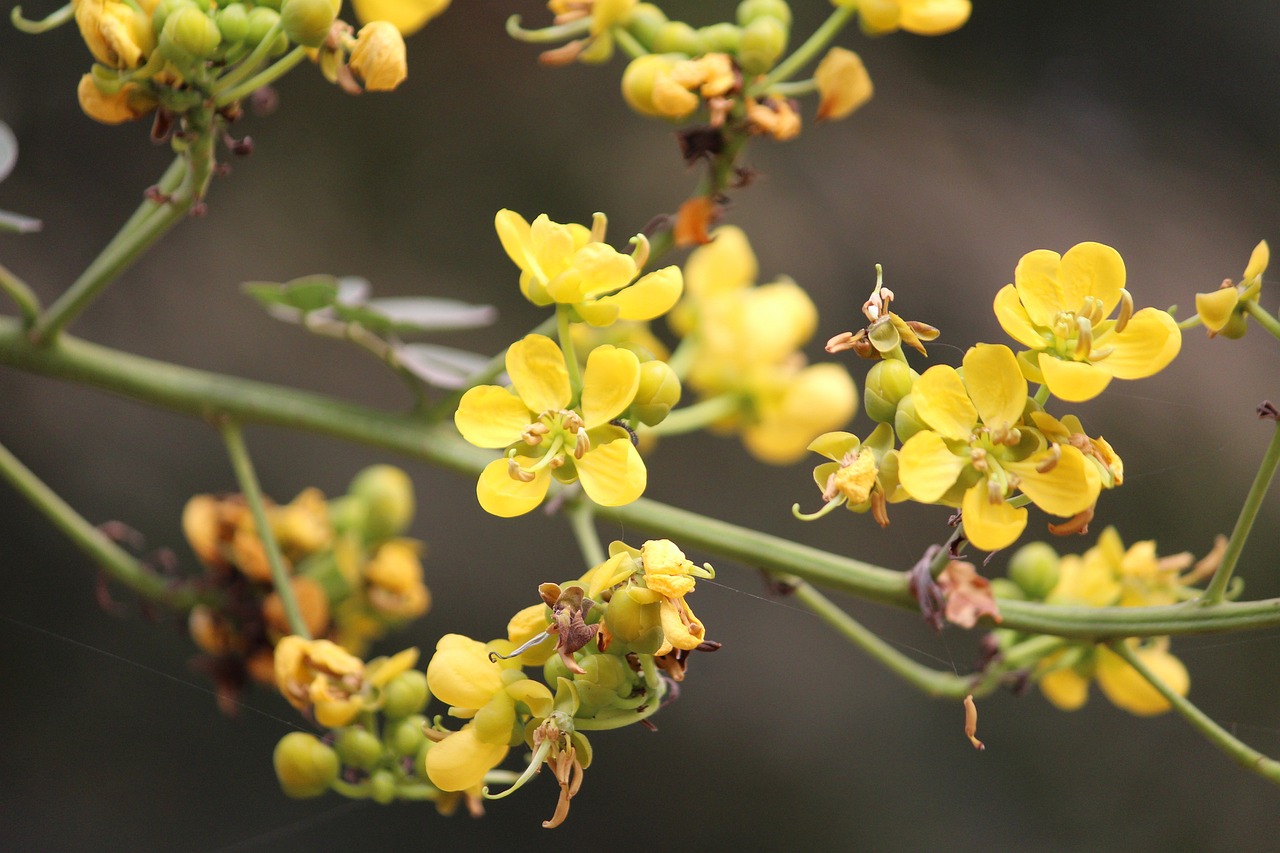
x=1100, y=353
x=535, y=764
x=528, y=644
x=1126, y=309
x=640, y=254
x=517, y=473
x=582, y=444
x=599, y=224
x=1050, y=462
x=1085, y=342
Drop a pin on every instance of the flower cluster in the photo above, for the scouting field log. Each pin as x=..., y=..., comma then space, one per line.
x=352, y=575
x=742, y=349
x=609, y=645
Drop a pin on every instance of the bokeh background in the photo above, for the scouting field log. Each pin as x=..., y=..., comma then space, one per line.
x=1151, y=127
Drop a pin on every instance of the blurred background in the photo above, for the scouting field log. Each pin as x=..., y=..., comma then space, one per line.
x=1150, y=127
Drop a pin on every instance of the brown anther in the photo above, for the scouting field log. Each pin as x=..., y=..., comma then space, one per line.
x=1044, y=466
x=978, y=457
x=565, y=54
x=1208, y=564
x=571, y=421
x=995, y=492
x=518, y=473
x=1126, y=310
x=879, y=508
x=1098, y=354
x=843, y=341
x=830, y=491
x=1078, y=523
x=556, y=461
x=971, y=722
x=924, y=331
x=582, y=444
x=1085, y=342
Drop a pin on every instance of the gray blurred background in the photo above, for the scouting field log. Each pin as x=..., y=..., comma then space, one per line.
x=1151, y=127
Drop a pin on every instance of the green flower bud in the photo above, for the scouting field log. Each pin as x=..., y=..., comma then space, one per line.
x=405, y=737
x=751, y=10
x=658, y=393
x=719, y=38
x=189, y=32
x=1005, y=588
x=268, y=4
x=358, y=747
x=629, y=620
x=304, y=765
x=163, y=10
x=555, y=669
x=233, y=23
x=888, y=381
x=261, y=21
x=638, y=83
x=307, y=22
x=387, y=494
x=600, y=685
x=676, y=37
x=382, y=787
x=643, y=22
x=906, y=422
x=406, y=694
x=763, y=42
x=1034, y=568
x=1236, y=326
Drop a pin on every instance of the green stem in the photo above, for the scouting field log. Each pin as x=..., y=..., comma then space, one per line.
x=1239, y=752
x=49, y=22
x=22, y=295
x=564, y=331
x=1190, y=323
x=630, y=45
x=807, y=52
x=699, y=415
x=1264, y=317
x=248, y=481
x=932, y=682
x=1214, y=592
x=265, y=77
x=251, y=62
x=113, y=559
x=582, y=519
x=148, y=223
x=548, y=35
x=204, y=395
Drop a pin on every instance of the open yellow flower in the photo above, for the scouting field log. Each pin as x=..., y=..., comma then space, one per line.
x=1223, y=310
x=1059, y=307
x=569, y=265
x=544, y=437
x=977, y=453
x=407, y=16
x=922, y=17
x=1067, y=686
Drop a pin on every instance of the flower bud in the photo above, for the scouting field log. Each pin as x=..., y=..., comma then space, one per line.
x=387, y=495
x=718, y=38
x=888, y=381
x=906, y=422
x=304, y=765
x=631, y=617
x=165, y=8
x=676, y=37
x=843, y=84
x=763, y=41
x=643, y=22
x=116, y=34
x=642, y=79
x=1236, y=326
x=233, y=23
x=1034, y=568
x=405, y=694
x=128, y=103
x=358, y=747
x=188, y=32
x=382, y=787
x=599, y=687
x=379, y=57
x=307, y=22
x=261, y=21
x=404, y=737
x=751, y=10
x=658, y=393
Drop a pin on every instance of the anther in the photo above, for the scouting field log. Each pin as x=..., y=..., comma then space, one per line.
x=1126, y=310
x=1085, y=342
x=518, y=473
x=1050, y=462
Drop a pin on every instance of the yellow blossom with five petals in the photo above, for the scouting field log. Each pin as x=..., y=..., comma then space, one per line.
x=544, y=436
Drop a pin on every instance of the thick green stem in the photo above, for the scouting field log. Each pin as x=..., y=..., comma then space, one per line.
x=931, y=682
x=113, y=559
x=1241, y=753
x=151, y=220
x=1264, y=317
x=807, y=52
x=208, y=395
x=1217, y=587
x=248, y=481
x=699, y=415
x=265, y=77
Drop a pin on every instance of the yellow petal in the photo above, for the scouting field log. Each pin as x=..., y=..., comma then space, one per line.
x=1014, y=320
x=724, y=265
x=494, y=720
x=676, y=631
x=652, y=296
x=1065, y=489
x=777, y=318
x=613, y=474
x=537, y=370
x=818, y=398
x=460, y=761
x=933, y=17
x=843, y=84
x=1216, y=307
x=603, y=270
x=1258, y=260
x=1091, y=269
x=990, y=526
x=927, y=468
x=502, y=495
x=1146, y=346
x=490, y=416
x=609, y=384
x=461, y=674
x=1127, y=689
x=942, y=402
x=834, y=445
x=534, y=695
x=1073, y=381
x=408, y=16
x=1065, y=688
x=878, y=16
x=995, y=384
x=1036, y=279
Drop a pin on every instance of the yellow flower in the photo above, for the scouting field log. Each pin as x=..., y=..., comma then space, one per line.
x=922, y=17
x=569, y=265
x=118, y=35
x=128, y=103
x=378, y=57
x=477, y=688
x=322, y=676
x=843, y=84
x=1059, y=306
x=1067, y=686
x=407, y=16
x=977, y=453
x=861, y=475
x=1223, y=310
x=545, y=438
x=395, y=582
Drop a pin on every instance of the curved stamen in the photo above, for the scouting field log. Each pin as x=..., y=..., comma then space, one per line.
x=535, y=764
x=1126, y=310
x=818, y=513
x=599, y=225
x=1084, y=343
